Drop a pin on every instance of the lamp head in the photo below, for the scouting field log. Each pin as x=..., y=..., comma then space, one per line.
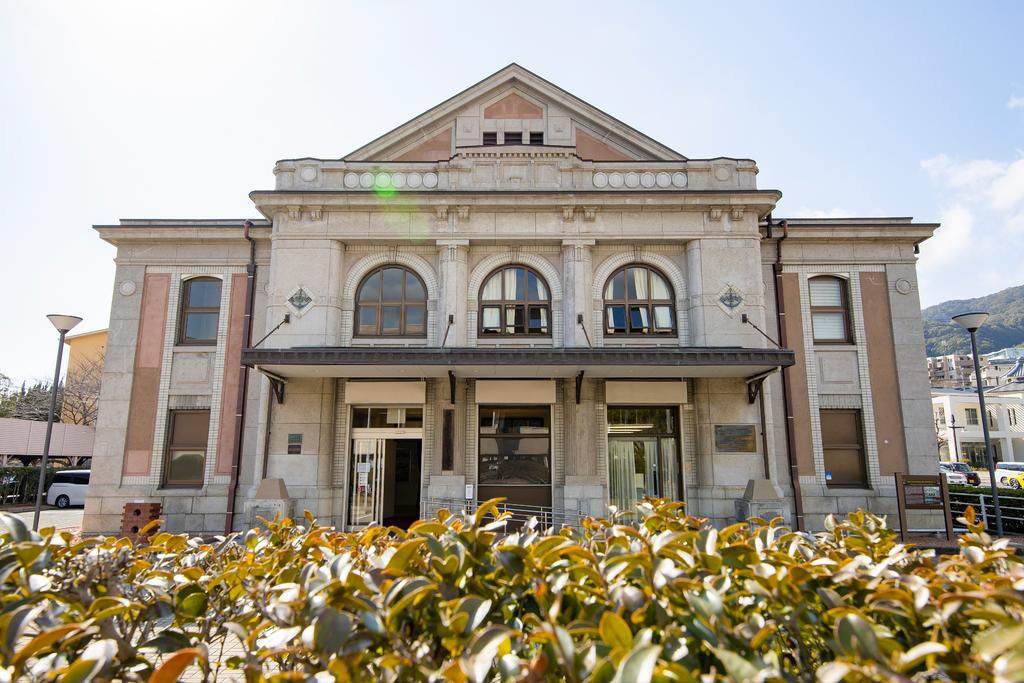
x=64, y=323
x=970, y=321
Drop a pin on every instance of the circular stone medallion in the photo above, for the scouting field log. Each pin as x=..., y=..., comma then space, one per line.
x=366, y=180
x=632, y=180
x=351, y=180
x=430, y=180
x=308, y=173
x=127, y=288
x=415, y=180
x=664, y=179
x=647, y=180
x=615, y=180
x=600, y=180
x=679, y=179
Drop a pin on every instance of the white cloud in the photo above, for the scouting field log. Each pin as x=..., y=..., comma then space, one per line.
x=982, y=217
x=805, y=212
x=1015, y=102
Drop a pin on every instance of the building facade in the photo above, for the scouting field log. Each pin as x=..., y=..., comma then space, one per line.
x=516, y=295
x=956, y=371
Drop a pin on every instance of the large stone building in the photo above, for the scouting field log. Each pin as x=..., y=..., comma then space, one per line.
x=513, y=294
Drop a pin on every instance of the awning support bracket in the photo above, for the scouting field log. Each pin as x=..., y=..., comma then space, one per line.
x=579, y=386
x=276, y=384
x=755, y=383
x=451, y=386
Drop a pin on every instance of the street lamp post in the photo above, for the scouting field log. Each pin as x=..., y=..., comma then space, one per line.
x=971, y=322
x=64, y=324
x=953, y=427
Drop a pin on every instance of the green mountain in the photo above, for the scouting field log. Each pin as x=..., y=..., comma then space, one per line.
x=1004, y=328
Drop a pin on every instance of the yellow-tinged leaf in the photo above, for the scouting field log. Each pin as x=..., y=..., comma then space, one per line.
x=615, y=632
x=173, y=666
x=42, y=641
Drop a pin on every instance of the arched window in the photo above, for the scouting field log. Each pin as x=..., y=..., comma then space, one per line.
x=830, y=310
x=391, y=302
x=638, y=301
x=515, y=301
x=200, y=311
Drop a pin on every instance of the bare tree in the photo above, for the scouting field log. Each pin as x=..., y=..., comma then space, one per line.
x=81, y=392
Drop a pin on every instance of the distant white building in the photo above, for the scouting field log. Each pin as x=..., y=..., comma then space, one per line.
x=958, y=421
x=956, y=371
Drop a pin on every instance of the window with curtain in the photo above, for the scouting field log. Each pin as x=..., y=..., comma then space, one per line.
x=643, y=454
x=972, y=416
x=391, y=302
x=842, y=441
x=638, y=301
x=186, y=448
x=830, y=310
x=515, y=301
x=200, y=311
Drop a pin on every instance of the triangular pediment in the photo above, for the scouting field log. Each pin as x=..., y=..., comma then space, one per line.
x=512, y=105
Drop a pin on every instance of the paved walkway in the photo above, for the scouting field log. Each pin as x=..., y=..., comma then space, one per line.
x=68, y=518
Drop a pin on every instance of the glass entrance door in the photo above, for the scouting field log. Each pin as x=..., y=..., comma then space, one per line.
x=366, y=492
x=643, y=455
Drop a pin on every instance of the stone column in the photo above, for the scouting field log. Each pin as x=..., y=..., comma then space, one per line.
x=577, y=275
x=453, y=280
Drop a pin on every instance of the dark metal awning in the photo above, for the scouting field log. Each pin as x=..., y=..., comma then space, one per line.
x=503, y=362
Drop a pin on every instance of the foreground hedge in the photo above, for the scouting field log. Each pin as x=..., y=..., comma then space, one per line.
x=667, y=598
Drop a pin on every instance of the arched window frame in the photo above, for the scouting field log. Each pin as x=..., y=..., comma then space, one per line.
x=404, y=304
x=504, y=304
x=648, y=303
x=186, y=309
x=831, y=310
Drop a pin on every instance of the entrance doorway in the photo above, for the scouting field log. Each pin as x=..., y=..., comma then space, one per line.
x=384, y=481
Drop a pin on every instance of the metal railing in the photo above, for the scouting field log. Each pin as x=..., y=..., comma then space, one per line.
x=547, y=517
x=1011, y=507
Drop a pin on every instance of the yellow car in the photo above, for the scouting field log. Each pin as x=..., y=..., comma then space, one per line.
x=1016, y=481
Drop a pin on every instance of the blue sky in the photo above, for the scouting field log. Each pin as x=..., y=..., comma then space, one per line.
x=115, y=110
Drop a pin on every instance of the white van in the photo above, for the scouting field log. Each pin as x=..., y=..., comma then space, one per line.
x=68, y=488
x=1004, y=470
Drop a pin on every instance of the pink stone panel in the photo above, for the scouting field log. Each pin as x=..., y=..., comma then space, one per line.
x=149, y=350
x=232, y=374
x=513, y=106
x=590, y=148
x=437, y=148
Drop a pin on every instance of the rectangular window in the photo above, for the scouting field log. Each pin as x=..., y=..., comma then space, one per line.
x=513, y=138
x=972, y=416
x=186, y=448
x=490, y=139
x=200, y=311
x=830, y=313
x=1012, y=415
x=377, y=418
x=536, y=138
x=991, y=418
x=843, y=444
x=515, y=445
x=448, y=440
x=643, y=454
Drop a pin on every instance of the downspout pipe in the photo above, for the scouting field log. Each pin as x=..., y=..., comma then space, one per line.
x=787, y=390
x=243, y=383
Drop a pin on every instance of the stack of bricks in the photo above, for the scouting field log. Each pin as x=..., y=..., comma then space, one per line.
x=138, y=515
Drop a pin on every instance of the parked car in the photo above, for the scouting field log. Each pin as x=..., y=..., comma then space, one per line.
x=972, y=477
x=1006, y=470
x=1016, y=481
x=68, y=488
x=954, y=477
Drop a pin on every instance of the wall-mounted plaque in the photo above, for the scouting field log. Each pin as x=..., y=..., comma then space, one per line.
x=735, y=439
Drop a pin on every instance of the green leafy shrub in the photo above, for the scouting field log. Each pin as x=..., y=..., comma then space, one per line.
x=665, y=597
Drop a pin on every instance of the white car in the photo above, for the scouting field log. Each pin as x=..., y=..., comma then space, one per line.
x=68, y=488
x=958, y=478
x=1005, y=470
